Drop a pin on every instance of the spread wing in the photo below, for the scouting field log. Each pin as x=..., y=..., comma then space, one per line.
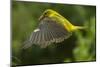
x=48, y=32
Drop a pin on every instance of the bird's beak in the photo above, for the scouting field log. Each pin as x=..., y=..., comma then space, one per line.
x=41, y=17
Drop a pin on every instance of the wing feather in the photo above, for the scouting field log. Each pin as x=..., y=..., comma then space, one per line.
x=49, y=32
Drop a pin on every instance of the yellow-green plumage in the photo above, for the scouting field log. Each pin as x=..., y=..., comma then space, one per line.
x=56, y=16
x=52, y=28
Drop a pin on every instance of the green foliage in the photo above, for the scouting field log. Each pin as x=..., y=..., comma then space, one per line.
x=86, y=43
x=80, y=46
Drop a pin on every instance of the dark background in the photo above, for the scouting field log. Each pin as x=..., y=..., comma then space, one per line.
x=79, y=47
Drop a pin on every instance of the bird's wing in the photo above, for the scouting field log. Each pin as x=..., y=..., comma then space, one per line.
x=48, y=31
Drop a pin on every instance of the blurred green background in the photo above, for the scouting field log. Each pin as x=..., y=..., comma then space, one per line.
x=79, y=47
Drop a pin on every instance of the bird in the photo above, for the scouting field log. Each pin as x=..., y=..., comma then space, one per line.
x=52, y=28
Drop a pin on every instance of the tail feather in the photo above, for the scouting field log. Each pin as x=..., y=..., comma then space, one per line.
x=80, y=27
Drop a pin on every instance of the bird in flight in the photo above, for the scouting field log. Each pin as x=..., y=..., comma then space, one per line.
x=53, y=28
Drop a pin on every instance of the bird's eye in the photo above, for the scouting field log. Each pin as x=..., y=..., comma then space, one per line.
x=45, y=13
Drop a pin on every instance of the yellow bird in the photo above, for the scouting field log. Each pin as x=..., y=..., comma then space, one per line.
x=53, y=28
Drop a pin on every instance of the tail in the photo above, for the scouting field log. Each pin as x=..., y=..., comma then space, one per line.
x=79, y=27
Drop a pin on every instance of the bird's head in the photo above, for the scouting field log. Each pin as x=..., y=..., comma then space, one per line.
x=48, y=13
